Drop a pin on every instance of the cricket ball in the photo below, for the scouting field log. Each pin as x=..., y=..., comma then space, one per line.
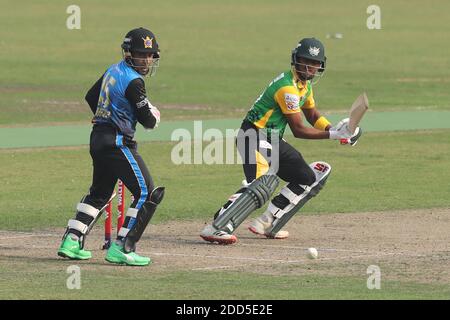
x=312, y=253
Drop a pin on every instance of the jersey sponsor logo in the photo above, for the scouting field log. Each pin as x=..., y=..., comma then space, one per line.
x=292, y=101
x=142, y=103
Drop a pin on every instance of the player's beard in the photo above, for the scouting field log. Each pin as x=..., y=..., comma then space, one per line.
x=303, y=76
x=142, y=70
x=141, y=67
x=146, y=69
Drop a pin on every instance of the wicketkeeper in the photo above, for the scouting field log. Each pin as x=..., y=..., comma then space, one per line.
x=268, y=157
x=119, y=100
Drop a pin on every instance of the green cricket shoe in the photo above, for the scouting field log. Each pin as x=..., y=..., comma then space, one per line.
x=71, y=249
x=116, y=254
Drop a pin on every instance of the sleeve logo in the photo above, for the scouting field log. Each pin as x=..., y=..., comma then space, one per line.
x=142, y=103
x=292, y=101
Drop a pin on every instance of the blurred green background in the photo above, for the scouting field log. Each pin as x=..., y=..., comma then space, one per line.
x=218, y=56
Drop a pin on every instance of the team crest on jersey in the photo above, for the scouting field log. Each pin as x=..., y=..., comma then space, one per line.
x=148, y=42
x=314, y=51
x=292, y=101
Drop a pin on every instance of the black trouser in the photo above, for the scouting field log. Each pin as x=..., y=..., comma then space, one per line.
x=260, y=156
x=115, y=157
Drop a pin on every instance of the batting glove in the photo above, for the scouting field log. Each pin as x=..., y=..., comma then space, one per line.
x=340, y=131
x=353, y=140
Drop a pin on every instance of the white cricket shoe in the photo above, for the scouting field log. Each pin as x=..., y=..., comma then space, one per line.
x=212, y=234
x=261, y=226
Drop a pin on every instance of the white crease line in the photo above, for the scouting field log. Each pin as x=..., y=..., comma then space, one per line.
x=267, y=245
x=15, y=232
x=220, y=267
x=298, y=248
x=210, y=256
x=276, y=260
x=24, y=232
x=285, y=262
x=28, y=236
x=17, y=237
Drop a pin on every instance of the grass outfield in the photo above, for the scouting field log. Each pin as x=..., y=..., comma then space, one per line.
x=385, y=171
x=218, y=56
x=50, y=283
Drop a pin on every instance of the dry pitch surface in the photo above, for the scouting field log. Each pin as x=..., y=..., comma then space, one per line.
x=409, y=245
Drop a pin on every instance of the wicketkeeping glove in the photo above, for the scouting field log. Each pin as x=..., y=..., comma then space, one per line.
x=155, y=112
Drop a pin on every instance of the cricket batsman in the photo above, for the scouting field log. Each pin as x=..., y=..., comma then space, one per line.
x=267, y=157
x=119, y=100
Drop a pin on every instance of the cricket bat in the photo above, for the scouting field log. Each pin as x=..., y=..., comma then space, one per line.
x=357, y=111
x=359, y=107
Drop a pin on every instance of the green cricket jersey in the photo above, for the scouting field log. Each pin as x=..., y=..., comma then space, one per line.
x=284, y=95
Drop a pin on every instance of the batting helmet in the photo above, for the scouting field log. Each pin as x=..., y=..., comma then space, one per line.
x=140, y=40
x=311, y=49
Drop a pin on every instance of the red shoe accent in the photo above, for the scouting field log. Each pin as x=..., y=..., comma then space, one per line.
x=252, y=229
x=265, y=235
x=232, y=240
